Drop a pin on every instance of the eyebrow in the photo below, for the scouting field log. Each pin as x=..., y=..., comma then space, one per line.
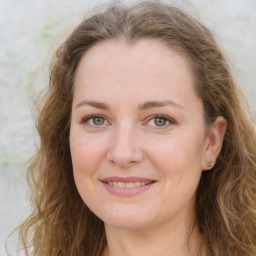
x=99, y=105
x=155, y=104
x=144, y=106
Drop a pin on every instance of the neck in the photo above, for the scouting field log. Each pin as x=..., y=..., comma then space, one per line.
x=177, y=240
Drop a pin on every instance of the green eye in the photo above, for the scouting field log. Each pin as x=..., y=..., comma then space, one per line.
x=95, y=121
x=98, y=120
x=160, y=121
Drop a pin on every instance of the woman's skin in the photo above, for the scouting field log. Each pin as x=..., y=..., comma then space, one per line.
x=136, y=119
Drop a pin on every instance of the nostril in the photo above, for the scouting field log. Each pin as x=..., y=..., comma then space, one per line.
x=124, y=149
x=124, y=156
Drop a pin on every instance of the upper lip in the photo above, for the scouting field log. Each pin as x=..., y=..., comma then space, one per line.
x=126, y=179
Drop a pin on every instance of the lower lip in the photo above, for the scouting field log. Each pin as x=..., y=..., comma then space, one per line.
x=127, y=191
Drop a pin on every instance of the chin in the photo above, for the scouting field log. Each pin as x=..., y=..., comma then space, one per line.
x=127, y=223
x=128, y=219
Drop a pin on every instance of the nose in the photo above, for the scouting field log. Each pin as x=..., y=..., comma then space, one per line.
x=124, y=148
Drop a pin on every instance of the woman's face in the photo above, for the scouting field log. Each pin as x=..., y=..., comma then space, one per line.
x=137, y=139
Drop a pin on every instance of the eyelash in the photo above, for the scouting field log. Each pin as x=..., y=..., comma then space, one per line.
x=154, y=117
x=163, y=117
x=87, y=119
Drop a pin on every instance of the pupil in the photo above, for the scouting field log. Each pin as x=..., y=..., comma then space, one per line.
x=98, y=120
x=160, y=121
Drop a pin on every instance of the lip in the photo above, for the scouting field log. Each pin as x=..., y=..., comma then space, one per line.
x=126, y=179
x=127, y=192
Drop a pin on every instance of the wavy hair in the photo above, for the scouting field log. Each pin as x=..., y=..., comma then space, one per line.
x=61, y=224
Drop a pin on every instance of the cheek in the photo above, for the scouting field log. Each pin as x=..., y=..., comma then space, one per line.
x=85, y=160
x=179, y=157
x=85, y=154
x=180, y=166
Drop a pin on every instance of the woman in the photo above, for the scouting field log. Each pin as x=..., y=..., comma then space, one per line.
x=146, y=148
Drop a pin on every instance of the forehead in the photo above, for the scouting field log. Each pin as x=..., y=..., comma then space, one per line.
x=146, y=52
x=145, y=68
x=142, y=56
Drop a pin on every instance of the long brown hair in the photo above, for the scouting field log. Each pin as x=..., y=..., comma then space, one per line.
x=61, y=224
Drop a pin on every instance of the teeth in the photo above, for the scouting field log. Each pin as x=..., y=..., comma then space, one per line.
x=127, y=184
x=136, y=184
x=121, y=184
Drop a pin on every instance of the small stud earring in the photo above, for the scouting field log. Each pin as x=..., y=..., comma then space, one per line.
x=209, y=164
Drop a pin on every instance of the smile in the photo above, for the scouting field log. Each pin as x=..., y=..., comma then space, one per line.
x=128, y=184
x=126, y=187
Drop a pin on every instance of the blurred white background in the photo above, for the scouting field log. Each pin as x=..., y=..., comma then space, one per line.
x=30, y=30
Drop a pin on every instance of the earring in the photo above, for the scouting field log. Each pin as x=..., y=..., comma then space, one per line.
x=209, y=164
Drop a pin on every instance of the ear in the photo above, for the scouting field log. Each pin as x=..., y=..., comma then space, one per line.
x=213, y=142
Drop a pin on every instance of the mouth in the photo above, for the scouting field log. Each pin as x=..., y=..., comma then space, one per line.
x=120, y=184
x=129, y=186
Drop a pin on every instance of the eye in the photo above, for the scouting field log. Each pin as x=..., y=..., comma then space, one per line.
x=161, y=121
x=95, y=121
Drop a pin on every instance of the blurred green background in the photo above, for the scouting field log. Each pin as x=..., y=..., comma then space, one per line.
x=30, y=30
